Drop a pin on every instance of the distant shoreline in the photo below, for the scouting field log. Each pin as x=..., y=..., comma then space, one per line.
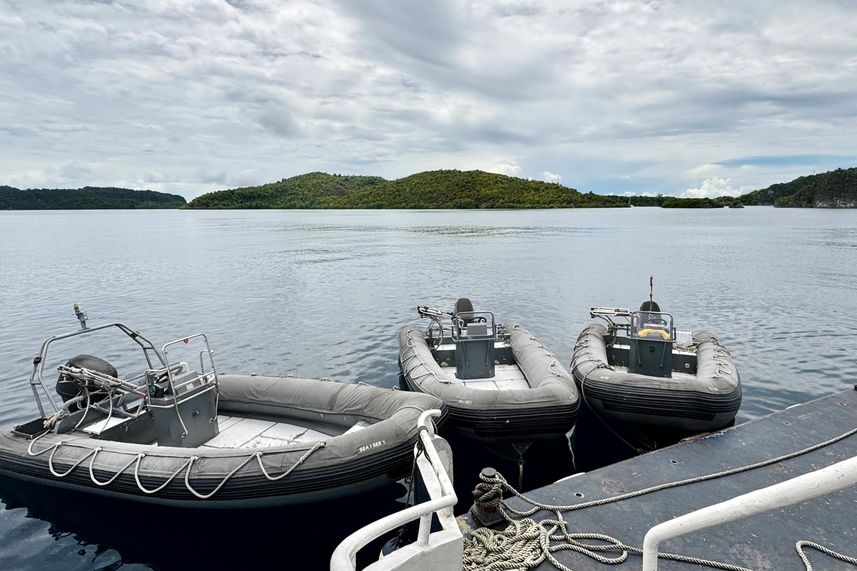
x=430, y=190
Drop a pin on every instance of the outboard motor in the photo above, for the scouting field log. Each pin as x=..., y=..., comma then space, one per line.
x=474, y=333
x=68, y=389
x=651, y=340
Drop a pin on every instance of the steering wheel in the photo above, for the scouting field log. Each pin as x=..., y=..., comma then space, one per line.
x=434, y=343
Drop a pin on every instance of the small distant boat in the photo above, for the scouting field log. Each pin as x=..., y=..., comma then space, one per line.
x=179, y=435
x=637, y=371
x=497, y=380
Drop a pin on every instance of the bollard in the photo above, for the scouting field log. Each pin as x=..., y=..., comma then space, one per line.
x=485, y=509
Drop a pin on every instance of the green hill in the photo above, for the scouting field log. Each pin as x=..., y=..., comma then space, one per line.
x=433, y=189
x=833, y=189
x=311, y=190
x=86, y=198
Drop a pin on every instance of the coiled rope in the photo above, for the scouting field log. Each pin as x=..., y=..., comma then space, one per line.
x=186, y=466
x=526, y=543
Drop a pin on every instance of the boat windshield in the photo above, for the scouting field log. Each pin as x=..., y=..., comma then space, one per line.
x=652, y=324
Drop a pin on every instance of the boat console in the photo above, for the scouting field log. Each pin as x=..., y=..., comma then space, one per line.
x=650, y=337
x=474, y=335
x=184, y=405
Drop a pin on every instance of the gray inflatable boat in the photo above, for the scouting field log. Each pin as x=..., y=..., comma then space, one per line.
x=497, y=380
x=192, y=437
x=638, y=370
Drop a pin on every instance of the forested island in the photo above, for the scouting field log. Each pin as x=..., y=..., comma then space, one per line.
x=676, y=202
x=427, y=190
x=479, y=189
x=432, y=189
x=833, y=189
x=86, y=198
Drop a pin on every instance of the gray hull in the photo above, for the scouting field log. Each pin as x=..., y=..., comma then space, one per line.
x=706, y=400
x=345, y=464
x=547, y=408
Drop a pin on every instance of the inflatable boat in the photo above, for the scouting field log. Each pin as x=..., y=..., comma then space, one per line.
x=185, y=436
x=497, y=380
x=637, y=370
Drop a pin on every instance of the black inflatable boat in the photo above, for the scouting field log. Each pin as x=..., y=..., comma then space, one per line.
x=497, y=380
x=178, y=435
x=637, y=370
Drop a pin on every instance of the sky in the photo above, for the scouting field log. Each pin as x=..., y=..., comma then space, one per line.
x=687, y=98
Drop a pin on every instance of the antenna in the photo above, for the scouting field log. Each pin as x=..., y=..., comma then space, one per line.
x=81, y=316
x=651, y=287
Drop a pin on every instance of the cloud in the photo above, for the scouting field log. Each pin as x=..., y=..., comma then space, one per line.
x=507, y=168
x=706, y=169
x=279, y=122
x=667, y=93
x=714, y=187
x=548, y=176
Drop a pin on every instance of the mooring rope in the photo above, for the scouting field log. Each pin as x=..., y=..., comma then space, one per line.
x=829, y=552
x=526, y=543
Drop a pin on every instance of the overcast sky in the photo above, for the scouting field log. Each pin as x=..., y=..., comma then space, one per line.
x=686, y=98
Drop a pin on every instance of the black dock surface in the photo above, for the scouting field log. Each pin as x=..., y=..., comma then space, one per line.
x=760, y=542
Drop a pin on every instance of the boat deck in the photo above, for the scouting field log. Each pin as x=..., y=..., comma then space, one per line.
x=249, y=433
x=506, y=377
x=237, y=432
x=761, y=542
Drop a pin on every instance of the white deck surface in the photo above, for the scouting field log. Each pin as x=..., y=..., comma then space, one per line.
x=101, y=425
x=236, y=432
x=506, y=377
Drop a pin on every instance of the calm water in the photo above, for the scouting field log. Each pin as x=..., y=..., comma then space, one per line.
x=324, y=293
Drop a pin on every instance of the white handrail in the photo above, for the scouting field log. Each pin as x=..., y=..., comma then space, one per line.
x=824, y=481
x=442, y=500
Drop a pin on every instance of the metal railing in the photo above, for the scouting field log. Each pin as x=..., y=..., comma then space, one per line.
x=445, y=546
x=824, y=481
x=37, y=383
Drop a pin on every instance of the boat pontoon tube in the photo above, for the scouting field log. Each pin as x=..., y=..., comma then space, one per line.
x=706, y=400
x=547, y=408
x=376, y=454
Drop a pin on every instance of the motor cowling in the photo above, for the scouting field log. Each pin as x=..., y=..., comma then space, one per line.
x=68, y=388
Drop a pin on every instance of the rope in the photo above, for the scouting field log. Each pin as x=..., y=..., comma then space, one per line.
x=526, y=543
x=669, y=485
x=601, y=365
x=410, y=371
x=73, y=466
x=300, y=461
x=116, y=475
x=222, y=482
x=186, y=466
x=140, y=457
x=818, y=547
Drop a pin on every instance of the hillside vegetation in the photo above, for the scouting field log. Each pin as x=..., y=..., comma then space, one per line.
x=88, y=197
x=833, y=189
x=311, y=190
x=433, y=189
x=677, y=202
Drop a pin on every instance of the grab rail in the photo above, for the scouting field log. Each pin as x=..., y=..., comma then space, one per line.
x=36, y=376
x=824, y=481
x=446, y=544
